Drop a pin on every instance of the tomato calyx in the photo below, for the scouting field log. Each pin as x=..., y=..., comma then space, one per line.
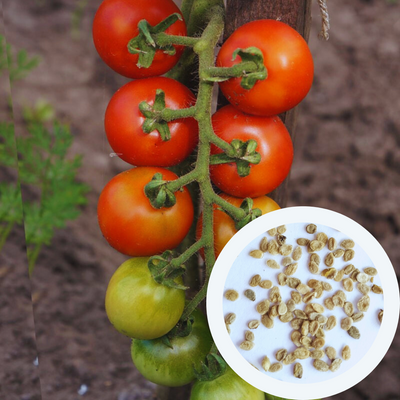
x=144, y=44
x=165, y=271
x=242, y=153
x=250, y=213
x=211, y=369
x=182, y=329
x=158, y=193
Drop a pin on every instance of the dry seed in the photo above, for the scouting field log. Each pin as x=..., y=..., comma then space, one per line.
x=287, y=261
x=266, y=284
x=256, y=254
x=370, y=271
x=313, y=315
x=363, y=288
x=318, y=343
x=231, y=295
x=303, y=289
x=273, y=247
x=363, y=303
x=281, y=240
x=348, y=285
x=357, y=317
x=313, y=268
x=313, y=328
x=338, y=253
x=320, y=333
x=347, y=244
x=309, y=297
x=272, y=232
x=250, y=294
x=342, y=295
x=337, y=301
x=296, y=336
x=308, y=309
x=281, y=229
x=313, y=283
x=348, y=308
x=273, y=264
x=300, y=314
x=296, y=297
x=330, y=352
x=228, y=329
x=348, y=269
x=354, y=332
x=254, y=324
x=348, y=255
x=273, y=312
x=305, y=328
x=339, y=275
x=298, y=370
x=274, y=294
x=267, y=321
x=317, y=354
x=289, y=359
x=282, y=279
x=346, y=353
x=311, y=228
x=335, y=365
x=230, y=318
x=297, y=253
x=362, y=278
x=291, y=269
x=263, y=307
x=329, y=260
x=246, y=345
x=322, y=319
x=331, y=323
x=318, y=307
x=275, y=367
x=291, y=305
x=264, y=245
x=380, y=316
x=322, y=237
x=332, y=244
x=354, y=274
x=248, y=335
x=296, y=323
x=303, y=242
x=329, y=273
x=377, y=289
x=319, y=291
x=285, y=249
x=266, y=363
x=326, y=286
x=316, y=245
x=281, y=354
x=255, y=280
x=329, y=303
x=282, y=309
x=320, y=365
x=315, y=258
x=306, y=341
x=346, y=323
x=287, y=317
x=293, y=282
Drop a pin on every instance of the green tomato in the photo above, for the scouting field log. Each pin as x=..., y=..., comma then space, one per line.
x=228, y=386
x=173, y=367
x=138, y=306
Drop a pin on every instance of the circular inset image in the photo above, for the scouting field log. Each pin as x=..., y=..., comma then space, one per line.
x=296, y=302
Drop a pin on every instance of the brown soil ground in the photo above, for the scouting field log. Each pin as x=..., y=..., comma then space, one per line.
x=347, y=158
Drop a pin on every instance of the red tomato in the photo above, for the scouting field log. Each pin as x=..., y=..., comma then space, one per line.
x=274, y=145
x=287, y=59
x=123, y=124
x=115, y=24
x=224, y=225
x=129, y=222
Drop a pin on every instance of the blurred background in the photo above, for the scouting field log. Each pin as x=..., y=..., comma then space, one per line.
x=347, y=158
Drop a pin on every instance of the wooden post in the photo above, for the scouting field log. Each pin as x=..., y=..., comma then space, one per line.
x=297, y=14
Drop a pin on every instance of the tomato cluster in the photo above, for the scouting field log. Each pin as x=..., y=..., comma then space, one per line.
x=142, y=131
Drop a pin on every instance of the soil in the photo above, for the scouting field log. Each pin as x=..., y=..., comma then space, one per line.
x=347, y=158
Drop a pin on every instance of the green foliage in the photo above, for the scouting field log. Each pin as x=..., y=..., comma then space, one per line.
x=8, y=154
x=10, y=204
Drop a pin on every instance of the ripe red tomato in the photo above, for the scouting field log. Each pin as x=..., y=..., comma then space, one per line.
x=123, y=124
x=274, y=145
x=129, y=222
x=115, y=24
x=287, y=59
x=224, y=225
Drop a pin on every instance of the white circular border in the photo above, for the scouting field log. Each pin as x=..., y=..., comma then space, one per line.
x=303, y=215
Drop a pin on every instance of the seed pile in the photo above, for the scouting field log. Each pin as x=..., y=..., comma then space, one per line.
x=309, y=320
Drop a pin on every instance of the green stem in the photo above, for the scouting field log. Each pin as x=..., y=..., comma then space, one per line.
x=186, y=7
x=234, y=212
x=236, y=71
x=163, y=39
x=32, y=257
x=194, y=248
x=4, y=234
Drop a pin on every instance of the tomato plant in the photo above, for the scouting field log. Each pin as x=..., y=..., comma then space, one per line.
x=124, y=120
x=224, y=225
x=132, y=225
x=288, y=61
x=274, y=145
x=139, y=307
x=116, y=23
x=173, y=366
x=228, y=386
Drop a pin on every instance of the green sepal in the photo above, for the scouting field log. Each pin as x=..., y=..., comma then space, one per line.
x=251, y=214
x=251, y=54
x=158, y=193
x=181, y=329
x=214, y=367
x=164, y=272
